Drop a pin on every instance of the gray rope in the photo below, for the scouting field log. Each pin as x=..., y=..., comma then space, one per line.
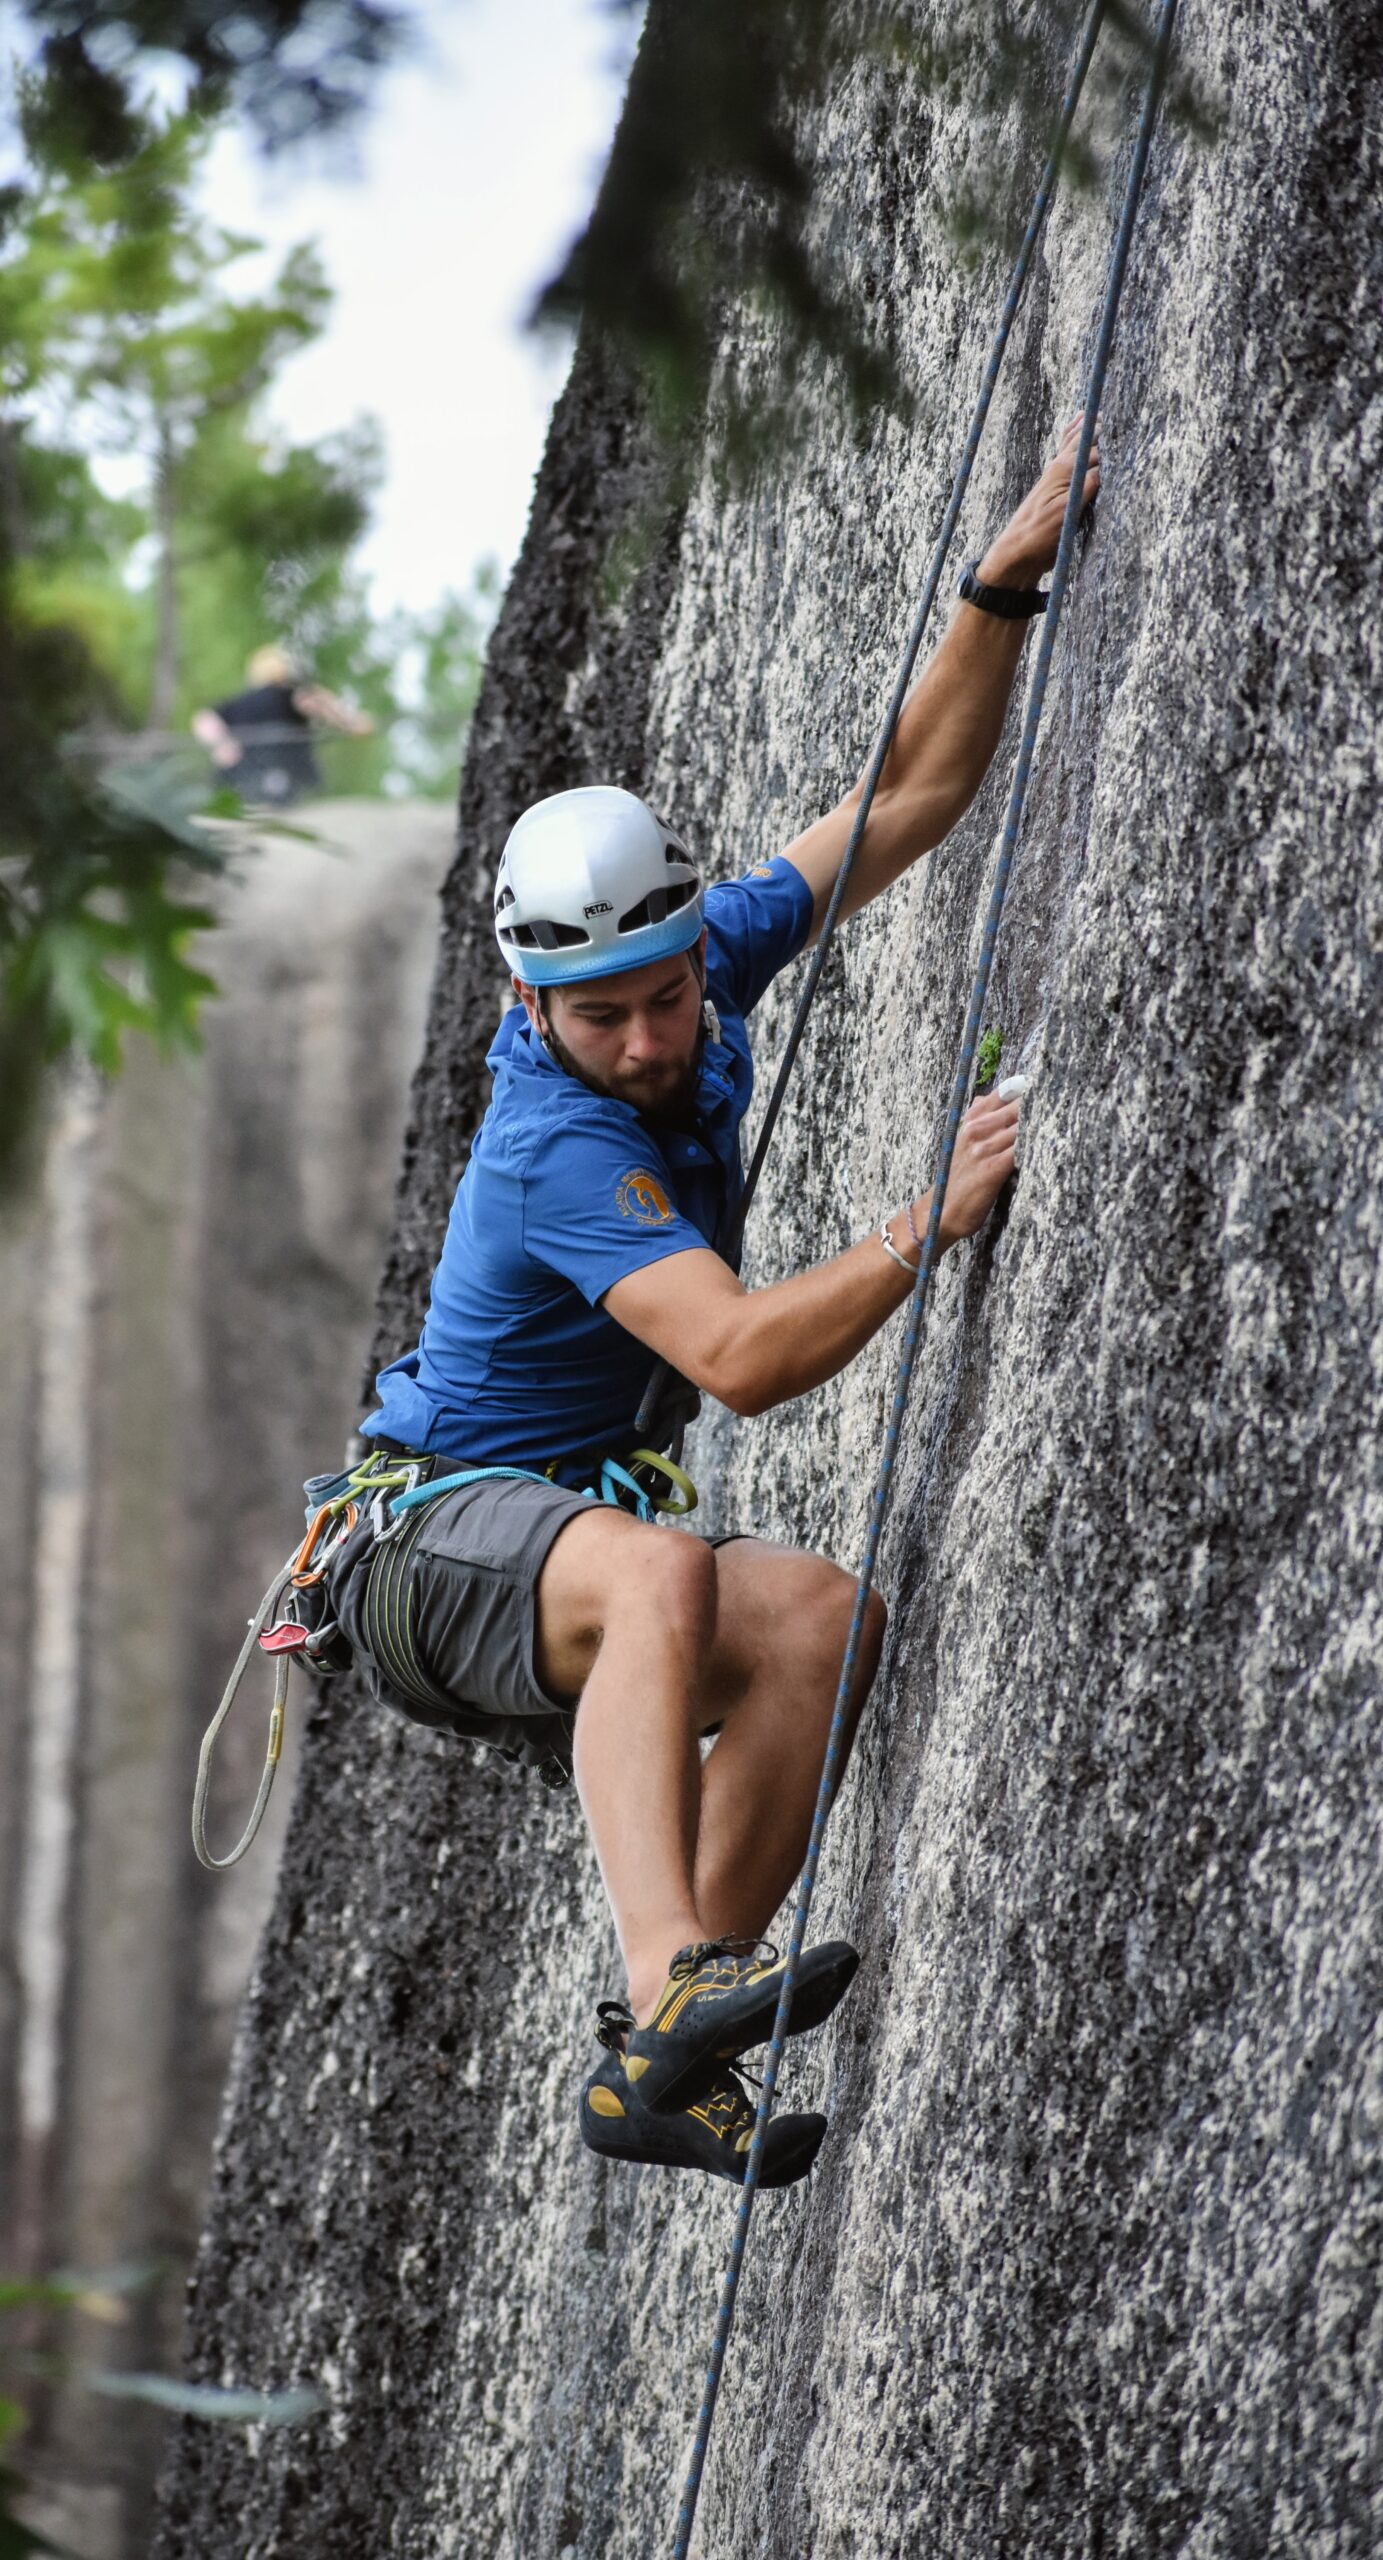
x=663, y=1387
x=267, y=1611
x=959, y=1089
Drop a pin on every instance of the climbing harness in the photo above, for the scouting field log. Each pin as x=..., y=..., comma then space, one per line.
x=1157, y=75
x=393, y=1498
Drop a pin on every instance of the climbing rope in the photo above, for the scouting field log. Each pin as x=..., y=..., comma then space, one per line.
x=1008, y=843
x=667, y=1394
x=330, y=1518
x=264, y=1616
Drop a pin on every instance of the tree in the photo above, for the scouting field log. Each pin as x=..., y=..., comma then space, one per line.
x=292, y=67
x=129, y=318
x=438, y=656
x=116, y=327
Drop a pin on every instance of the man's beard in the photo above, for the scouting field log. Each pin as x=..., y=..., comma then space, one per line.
x=673, y=1105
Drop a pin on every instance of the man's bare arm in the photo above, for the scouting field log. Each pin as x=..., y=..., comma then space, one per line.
x=953, y=718
x=316, y=702
x=210, y=730
x=754, y=1348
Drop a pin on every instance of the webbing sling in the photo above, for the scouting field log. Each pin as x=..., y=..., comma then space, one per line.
x=959, y=1090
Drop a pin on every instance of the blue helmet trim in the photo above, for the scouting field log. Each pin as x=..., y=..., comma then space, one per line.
x=633, y=951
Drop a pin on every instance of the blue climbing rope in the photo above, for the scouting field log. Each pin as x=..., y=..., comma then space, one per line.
x=662, y=1386
x=935, y=572
x=959, y=1089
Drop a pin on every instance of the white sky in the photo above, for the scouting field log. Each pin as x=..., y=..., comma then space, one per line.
x=476, y=166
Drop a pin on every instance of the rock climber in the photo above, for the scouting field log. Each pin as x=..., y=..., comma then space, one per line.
x=581, y=1249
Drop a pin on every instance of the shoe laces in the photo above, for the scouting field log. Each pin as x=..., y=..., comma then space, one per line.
x=727, y=2107
x=689, y=1960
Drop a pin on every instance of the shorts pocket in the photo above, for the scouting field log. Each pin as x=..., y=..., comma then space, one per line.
x=497, y=1525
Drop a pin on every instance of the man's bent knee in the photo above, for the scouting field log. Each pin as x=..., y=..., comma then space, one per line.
x=826, y=1635
x=606, y=1571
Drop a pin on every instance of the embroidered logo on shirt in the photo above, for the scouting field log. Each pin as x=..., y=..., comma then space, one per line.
x=640, y=1196
x=761, y=871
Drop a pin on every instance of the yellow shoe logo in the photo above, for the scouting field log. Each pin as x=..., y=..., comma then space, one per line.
x=605, y=2103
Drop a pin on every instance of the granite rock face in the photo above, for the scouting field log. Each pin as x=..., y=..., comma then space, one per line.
x=1089, y=2266
x=186, y=1304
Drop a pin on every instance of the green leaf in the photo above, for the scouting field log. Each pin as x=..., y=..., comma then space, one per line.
x=987, y=1057
x=79, y=2285
x=18, y=2540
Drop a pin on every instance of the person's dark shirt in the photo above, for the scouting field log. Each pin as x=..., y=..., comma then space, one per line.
x=277, y=767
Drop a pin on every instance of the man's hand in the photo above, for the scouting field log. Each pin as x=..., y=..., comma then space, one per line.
x=1026, y=549
x=221, y=743
x=753, y=1348
x=983, y=1160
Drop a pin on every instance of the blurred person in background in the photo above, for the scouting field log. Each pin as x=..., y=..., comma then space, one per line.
x=261, y=739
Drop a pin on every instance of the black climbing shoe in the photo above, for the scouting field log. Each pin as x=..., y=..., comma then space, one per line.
x=714, y=2134
x=721, y=1998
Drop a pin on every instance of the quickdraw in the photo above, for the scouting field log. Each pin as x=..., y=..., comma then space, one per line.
x=390, y=1493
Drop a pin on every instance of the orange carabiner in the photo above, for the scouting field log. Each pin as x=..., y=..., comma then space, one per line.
x=302, y=1579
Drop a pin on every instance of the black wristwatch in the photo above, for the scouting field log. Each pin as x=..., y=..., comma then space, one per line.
x=1012, y=604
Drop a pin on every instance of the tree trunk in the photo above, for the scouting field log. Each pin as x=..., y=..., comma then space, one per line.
x=14, y=533
x=164, y=691
x=1089, y=2265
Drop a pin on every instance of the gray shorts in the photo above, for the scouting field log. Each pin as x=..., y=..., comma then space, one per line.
x=460, y=1586
x=456, y=1594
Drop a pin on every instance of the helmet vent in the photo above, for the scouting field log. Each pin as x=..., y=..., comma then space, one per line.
x=658, y=905
x=505, y=899
x=544, y=935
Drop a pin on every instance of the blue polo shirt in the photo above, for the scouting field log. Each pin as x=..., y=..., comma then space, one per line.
x=566, y=1192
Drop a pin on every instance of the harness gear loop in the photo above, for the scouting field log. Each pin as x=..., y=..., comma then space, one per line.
x=1118, y=265
x=339, y=1509
x=681, y=1495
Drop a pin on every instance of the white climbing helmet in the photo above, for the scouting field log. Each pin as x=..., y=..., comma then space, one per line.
x=591, y=882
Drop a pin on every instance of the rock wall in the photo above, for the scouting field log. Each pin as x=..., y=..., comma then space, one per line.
x=1089, y=2264
x=186, y=1311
